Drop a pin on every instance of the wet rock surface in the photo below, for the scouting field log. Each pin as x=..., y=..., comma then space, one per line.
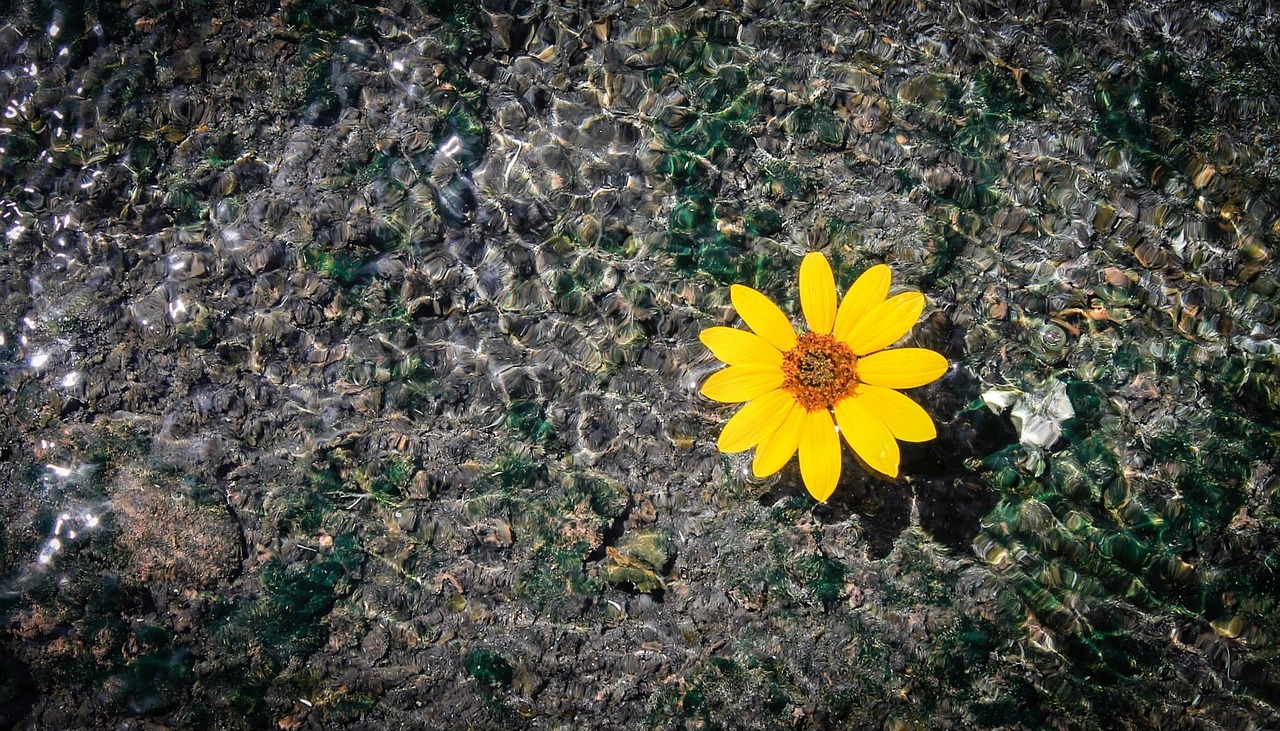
x=349, y=364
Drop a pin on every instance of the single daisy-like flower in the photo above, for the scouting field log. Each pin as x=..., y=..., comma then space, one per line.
x=794, y=384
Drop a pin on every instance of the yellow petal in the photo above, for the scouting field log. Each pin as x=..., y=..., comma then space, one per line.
x=817, y=293
x=776, y=451
x=904, y=417
x=869, y=290
x=759, y=419
x=739, y=347
x=741, y=383
x=886, y=323
x=763, y=317
x=901, y=368
x=868, y=435
x=819, y=454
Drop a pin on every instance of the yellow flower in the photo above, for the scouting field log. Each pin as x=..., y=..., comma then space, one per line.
x=794, y=383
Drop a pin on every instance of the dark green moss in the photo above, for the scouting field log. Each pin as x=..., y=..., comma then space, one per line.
x=302, y=512
x=120, y=441
x=488, y=667
x=819, y=126
x=787, y=182
x=288, y=617
x=465, y=31
x=556, y=577
x=221, y=150
x=516, y=471
x=763, y=222
x=1154, y=110
x=608, y=500
x=156, y=681
x=350, y=708
x=1008, y=94
x=346, y=268
x=527, y=418
x=1018, y=705
x=337, y=18
x=825, y=578
x=198, y=332
x=944, y=251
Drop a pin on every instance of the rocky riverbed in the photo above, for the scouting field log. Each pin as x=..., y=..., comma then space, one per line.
x=349, y=358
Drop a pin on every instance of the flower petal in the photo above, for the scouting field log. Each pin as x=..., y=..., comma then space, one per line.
x=819, y=454
x=904, y=417
x=776, y=451
x=741, y=383
x=763, y=317
x=901, y=367
x=867, y=435
x=739, y=347
x=817, y=293
x=756, y=421
x=886, y=323
x=867, y=291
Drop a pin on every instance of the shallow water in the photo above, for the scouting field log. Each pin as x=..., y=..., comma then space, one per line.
x=350, y=365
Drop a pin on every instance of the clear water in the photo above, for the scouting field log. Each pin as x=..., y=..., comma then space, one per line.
x=350, y=364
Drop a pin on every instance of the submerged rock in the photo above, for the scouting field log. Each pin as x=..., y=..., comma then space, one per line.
x=358, y=347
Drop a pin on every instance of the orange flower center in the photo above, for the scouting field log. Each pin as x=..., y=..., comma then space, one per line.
x=819, y=371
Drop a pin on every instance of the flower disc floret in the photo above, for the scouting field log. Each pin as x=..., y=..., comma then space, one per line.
x=819, y=371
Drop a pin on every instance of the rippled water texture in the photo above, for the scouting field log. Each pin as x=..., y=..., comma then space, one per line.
x=349, y=364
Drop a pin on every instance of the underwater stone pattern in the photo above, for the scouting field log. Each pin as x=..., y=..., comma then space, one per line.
x=349, y=364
